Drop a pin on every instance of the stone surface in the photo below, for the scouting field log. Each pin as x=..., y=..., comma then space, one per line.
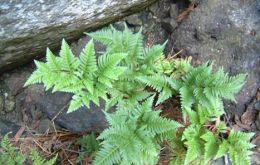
x=257, y=105
x=55, y=106
x=226, y=32
x=169, y=24
x=257, y=122
x=2, y=103
x=134, y=20
x=28, y=27
x=7, y=127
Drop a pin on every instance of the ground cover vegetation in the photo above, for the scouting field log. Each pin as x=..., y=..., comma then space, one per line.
x=137, y=80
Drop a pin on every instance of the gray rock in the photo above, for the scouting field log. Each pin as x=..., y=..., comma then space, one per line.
x=257, y=122
x=2, y=104
x=257, y=105
x=28, y=27
x=45, y=125
x=134, y=20
x=55, y=106
x=174, y=11
x=169, y=24
x=9, y=105
x=154, y=8
x=226, y=32
x=7, y=126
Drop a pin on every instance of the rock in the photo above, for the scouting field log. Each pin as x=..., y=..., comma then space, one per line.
x=174, y=11
x=7, y=126
x=2, y=104
x=78, y=46
x=169, y=24
x=257, y=122
x=219, y=161
x=134, y=20
x=248, y=117
x=28, y=27
x=45, y=125
x=154, y=8
x=9, y=105
x=226, y=32
x=15, y=81
x=257, y=105
x=55, y=105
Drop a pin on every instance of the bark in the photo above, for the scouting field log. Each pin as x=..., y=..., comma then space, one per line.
x=28, y=27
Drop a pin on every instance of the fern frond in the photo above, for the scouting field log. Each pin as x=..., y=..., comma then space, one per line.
x=191, y=135
x=88, y=64
x=9, y=154
x=222, y=150
x=211, y=146
x=38, y=160
x=69, y=61
x=104, y=36
x=109, y=155
x=153, y=53
x=107, y=68
x=187, y=98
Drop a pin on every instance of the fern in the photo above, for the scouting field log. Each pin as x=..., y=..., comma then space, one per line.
x=83, y=76
x=9, y=154
x=204, y=145
x=239, y=147
x=38, y=160
x=114, y=76
x=199, y=86
x=89, y=146
x=133, y=138
x=128, y=75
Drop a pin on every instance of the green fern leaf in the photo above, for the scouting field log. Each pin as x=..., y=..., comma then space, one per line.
x=187, y=99
x=69, y=61
x=223, y=149
x=38, y=160
x=9, y=154
x=211, y=146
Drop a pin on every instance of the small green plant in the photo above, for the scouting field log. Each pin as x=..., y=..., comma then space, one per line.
x=38, y=160
x=89, y=146
x=136, y=79
x=9, y=155
x=134, y=135
x=206, y=138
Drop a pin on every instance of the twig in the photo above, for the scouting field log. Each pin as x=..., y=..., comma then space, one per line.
x=41, y=146
x=58, y=113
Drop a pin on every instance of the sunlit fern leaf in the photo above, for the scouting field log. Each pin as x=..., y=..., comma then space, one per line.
x=76, y=103
x=104, y=36
x=187, y=98
x=52, y=61
x=107, y=69
x=164, y=94
x=194, y=151
x=153, y=53
x=211, y=146
x=135, y=133
x=69, y=61
x=191, y=135
x=88, y=63
x=107, y=155
x=222, y=150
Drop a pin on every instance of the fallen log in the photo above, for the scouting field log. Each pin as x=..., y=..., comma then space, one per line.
x=28, y=27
